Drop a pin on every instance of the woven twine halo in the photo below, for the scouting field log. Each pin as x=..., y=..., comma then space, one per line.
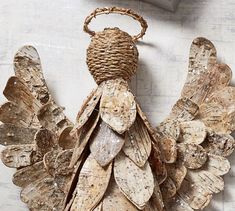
x=112, y=53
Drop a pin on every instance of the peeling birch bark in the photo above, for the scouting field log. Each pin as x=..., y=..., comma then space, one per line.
x=105, y=144
x=92, y=184
x=117, y=105
x=13, y=135
x=127, y=176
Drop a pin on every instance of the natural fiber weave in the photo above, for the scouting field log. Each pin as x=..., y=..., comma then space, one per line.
x=112, y=54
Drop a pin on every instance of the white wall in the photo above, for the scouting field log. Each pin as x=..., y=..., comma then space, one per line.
x=55, y=29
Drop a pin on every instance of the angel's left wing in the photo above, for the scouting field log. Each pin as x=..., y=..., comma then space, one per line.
x=35, y=132
x=201, y=122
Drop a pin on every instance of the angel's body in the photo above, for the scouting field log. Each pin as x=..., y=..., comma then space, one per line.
x=112, y=158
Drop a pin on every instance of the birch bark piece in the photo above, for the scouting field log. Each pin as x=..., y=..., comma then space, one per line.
x=105, y=144
x=29, y=174
x=195, y=195
x=193, y=155
x=193, y=132
x=184, y=110
x=169, y=129
x=92, y=184
x=168, y=149
x=83, y=136
x=202, y=57
x=52, y=117
x=128, y=176
x=157, y=165
x=63, y=173
x=16, y=156
x=17, y=92
x=217, y=165
x=206, y=180
x=177, y=204
x=28, y=68
x=218, y=112
x=137, y=143
x=43, y=195
x=49, y=160
x=177, y=172
x=168, y=189
x=117, y=105
x=88, y=107
x=13, y=114
x=115, y=200
x=13, y=135
x=222, y=145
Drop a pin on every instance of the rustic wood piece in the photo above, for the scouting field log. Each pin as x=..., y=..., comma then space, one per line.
x=105, y=144
x=117, y=105
x=168, y=189
x=128, y=175
x=92, y=184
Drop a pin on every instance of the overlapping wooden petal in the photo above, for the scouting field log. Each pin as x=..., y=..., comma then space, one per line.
x=82, y=136
x=201, y=59
x=28, y=68
x=157, y=165
x=193, y=132
x=92, y=184
x=88, y=107
x=117, y=105
x=137, y=143
x=16, y=156
x=52, y=117
x=168, y=189
x=49, y=160
x=13, y=135
x=128, y=176
x=169, y=128
x=13, y=114
x=29, y=174
x=63, y=173
x=193, y=155
x=17, y=92
x=194, y=194
x=105, y=144
x=43, y=194
x=177, y=172
x=218, y=112
x=222, y=145
x=177, y=204
x=115, y=200
x=66, y=140
x=168, y=149
x=217, y=165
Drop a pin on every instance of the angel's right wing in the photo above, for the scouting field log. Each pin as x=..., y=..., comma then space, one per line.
x=201, y=122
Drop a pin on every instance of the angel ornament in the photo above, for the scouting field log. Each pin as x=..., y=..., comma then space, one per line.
x=112, y=158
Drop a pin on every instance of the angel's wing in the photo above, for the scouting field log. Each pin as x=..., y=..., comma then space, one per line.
x=35, y=132
x=201, y=123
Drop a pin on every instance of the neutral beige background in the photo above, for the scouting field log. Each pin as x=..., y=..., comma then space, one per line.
x=55, y=29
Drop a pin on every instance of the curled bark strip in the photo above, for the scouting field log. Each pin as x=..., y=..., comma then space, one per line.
x=222, y=145
x=13, y=135
x=13, y=114
x=127, y=176
x=137, y=143
x=194, y=156
x=29, y=174
x=117, y=105
x=115, y=200
x=92, y=184
x=17, y=92
x=28, y=68
x=193, y=132
x=16, y=156
x=105, y=144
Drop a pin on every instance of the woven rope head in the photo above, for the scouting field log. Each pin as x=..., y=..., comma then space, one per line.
x=112, y=54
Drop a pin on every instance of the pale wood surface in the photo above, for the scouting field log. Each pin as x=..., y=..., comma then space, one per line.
x=55, y=29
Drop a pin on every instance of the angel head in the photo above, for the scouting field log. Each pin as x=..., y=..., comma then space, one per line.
x=112, y=53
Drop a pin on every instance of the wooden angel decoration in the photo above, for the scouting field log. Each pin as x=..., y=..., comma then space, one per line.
x=112, y=158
